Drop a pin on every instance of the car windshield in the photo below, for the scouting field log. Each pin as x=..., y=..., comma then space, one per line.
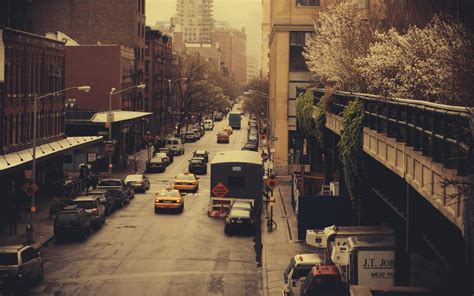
x=133, y=178
x=156, y=159
x=110, y=183
x=195, y=160
x=67, y=217
x=168, y=194
x=185, y=177
x=8, y=259
x=239, y=212
x=85, y=204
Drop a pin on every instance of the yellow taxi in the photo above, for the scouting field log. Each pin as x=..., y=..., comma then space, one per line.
x=169, y=199
x=186, y=182
x=228, y=130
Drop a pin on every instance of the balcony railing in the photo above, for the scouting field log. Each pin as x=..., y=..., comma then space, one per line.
x=441, y=132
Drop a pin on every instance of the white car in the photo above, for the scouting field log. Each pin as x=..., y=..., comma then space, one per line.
x=175, y=145
x=208, y=125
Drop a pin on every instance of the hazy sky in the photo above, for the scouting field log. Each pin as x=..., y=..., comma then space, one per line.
x=239, y=13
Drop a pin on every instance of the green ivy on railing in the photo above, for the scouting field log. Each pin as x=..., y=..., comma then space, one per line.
x=311, y=126
x=351, y=150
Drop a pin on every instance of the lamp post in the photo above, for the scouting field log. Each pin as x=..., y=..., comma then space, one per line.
x=110, y=116
x=170, y=85
x=84, y=88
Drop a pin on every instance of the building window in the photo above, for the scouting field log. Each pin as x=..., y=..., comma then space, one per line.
x=297, y=43
x=307, y=2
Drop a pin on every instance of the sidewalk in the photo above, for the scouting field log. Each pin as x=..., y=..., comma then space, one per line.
x=43, y=225
x=281, y=244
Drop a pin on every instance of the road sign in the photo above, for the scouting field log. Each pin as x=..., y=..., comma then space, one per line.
x=29, y=188
x=28, y=174
x=272, y=183
x=109, y=148
x=264, y=156
x=220, y=190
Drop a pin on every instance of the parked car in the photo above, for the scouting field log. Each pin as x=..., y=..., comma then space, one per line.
x=253, y=139
x=93, y=207
x=186, y=182
x=239, y=220
x=72, y=221
x=19, y=265
x=175, y=145
x=190, y=136
x=197, y=133
x=208, y=125
x=219, y=116
x=122, y=192
x=168, y=153
x=169, y=199
x=198, y=166
x=222, y=137
x=250, y=147
x=164, y=157
x=138, y=182
x=155, y=164
x=106, y=198
x=202, y=153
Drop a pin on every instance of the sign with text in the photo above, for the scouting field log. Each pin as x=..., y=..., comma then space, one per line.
x=376, y=268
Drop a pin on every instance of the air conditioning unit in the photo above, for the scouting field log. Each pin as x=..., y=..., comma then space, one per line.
x=334, y=187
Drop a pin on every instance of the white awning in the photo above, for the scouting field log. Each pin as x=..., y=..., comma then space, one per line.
x=118, y=115
x=10, y=160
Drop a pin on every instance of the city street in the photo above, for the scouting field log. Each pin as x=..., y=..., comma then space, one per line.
x=140, y=252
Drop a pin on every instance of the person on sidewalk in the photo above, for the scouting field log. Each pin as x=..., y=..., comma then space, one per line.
x=12, y=218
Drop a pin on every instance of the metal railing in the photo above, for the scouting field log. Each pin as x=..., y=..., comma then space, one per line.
x=441, y=132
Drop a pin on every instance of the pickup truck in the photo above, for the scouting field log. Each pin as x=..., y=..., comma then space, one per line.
x=122, y=192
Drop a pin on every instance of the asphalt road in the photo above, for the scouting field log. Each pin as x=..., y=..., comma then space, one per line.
x=138, y=252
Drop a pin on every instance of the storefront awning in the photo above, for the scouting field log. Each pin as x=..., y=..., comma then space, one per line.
x=14, y=159
x=118, y=115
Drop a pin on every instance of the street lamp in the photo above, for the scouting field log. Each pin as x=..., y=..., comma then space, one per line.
x=84, y=88
x=110, y=116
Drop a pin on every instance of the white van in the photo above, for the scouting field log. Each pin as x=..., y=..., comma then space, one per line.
x=175, y=145
x=208, y=125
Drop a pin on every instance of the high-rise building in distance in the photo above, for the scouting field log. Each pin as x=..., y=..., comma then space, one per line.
x=194, y=19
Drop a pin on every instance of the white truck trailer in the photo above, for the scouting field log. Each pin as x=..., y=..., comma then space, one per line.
x=331, y=236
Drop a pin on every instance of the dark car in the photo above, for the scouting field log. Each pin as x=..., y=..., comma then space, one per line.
x=250, y=147
x=239, y=221
x=156, y=164
x=219, y=116
x=190, y=137
x=202, y=153
x=107, y=199
x=72, y=221
x=93, y=207
x=121, y=191
x=19, y=264
x=198, y=166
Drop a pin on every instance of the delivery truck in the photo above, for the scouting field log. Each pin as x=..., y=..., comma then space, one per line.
x=235, y=176
x=325, y=239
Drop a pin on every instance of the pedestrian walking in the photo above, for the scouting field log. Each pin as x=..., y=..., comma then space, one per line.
x=258, y=246
x=12, y=218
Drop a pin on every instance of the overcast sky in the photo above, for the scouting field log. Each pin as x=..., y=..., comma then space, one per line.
x=239, y=13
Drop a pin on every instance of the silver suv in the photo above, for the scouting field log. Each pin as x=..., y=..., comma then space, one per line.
x=20, y=264
x=94, y=207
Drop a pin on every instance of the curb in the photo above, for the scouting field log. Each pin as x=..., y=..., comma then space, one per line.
x=45, y=242
x=264, y=267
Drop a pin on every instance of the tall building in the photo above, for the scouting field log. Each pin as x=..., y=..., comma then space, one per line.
x=158, y=59
x=253, y=68
x=291, y=24
x=97, y=22
x=194, y=20
x=265, y=37
x=233, y=47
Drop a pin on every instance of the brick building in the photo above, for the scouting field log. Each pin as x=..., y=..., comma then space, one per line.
x=158, y=59
x=97, y=22
x=32, y=66
x=233, y=45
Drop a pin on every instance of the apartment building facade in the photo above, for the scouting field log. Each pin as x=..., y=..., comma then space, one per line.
x=232, y=44
x=194, y=18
